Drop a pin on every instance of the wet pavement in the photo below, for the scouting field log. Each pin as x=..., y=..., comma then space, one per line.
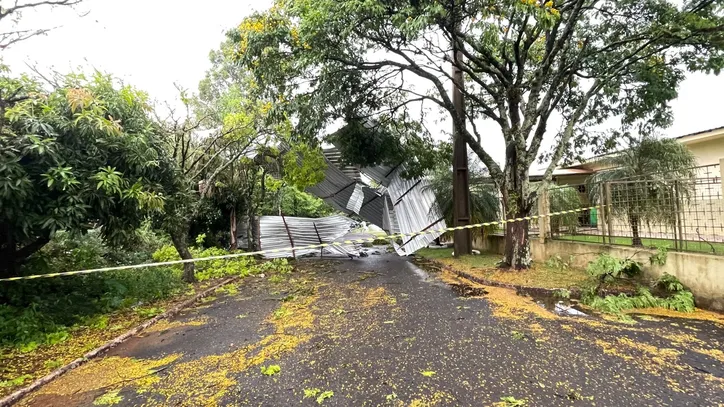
x=378, y=331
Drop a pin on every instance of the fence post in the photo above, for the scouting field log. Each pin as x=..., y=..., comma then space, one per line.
x=602, y=213
x=679, y=243
x=544, y=222
x=321, y=249
x=607, y=208
x=721, y=179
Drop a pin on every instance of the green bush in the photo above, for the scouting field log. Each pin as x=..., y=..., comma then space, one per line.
x=607, y=268
x=682, y=301
x=669, y=283
x=210, y=269
x=46, y=311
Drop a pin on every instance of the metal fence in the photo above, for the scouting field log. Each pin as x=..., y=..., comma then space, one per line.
x=684, y=214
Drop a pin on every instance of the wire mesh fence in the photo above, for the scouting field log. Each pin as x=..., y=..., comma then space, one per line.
x=684, y=214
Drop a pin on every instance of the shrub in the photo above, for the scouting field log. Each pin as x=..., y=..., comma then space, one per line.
x=210, y=269
x=607, y=267
x=682, y=301
x=669, y=283
x=46, y=311
x=659, y=257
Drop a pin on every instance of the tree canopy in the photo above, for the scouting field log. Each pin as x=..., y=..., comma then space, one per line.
x=80, y=156
x=535, y=68
x=227, y=143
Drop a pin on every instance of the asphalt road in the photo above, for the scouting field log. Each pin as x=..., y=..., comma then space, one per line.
x=377, y=331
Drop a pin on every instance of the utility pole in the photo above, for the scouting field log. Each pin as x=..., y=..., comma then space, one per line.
x=462, y=239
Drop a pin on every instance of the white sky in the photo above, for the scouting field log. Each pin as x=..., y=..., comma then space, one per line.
x=152, y=44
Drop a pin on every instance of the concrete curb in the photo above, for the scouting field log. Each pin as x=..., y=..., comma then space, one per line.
x=18, y=394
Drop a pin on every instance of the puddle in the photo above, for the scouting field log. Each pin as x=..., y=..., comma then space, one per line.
x=559, y=307
x=424, y=275
x=464, y=290
x=568, y=310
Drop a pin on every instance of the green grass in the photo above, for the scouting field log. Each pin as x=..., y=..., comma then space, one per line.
x=484, y=266
x=689, y=245
x=483, y=260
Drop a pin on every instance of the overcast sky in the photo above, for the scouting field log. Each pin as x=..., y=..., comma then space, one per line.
x=153, y=44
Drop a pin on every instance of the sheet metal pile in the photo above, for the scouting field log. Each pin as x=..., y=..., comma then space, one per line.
x=394, y=204
x=279, y=232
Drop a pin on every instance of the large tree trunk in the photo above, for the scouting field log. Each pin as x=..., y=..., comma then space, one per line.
x=516, y=200
x=179, y=242
x=634, y=220
x=517, y=244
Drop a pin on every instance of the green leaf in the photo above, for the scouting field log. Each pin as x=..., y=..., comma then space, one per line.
x=324, y=396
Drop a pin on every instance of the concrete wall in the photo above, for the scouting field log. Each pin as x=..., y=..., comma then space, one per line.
x=707, y=152
x=703, y=274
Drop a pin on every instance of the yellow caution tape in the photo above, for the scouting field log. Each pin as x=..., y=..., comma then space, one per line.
x=314, y=246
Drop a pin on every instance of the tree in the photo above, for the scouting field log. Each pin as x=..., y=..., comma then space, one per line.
x=649, y=166
x=226, y=144
x=11, y=15
x=202, y=150
x=74, y=158
x=367, y=143
x=290, y=201
x=529, y=65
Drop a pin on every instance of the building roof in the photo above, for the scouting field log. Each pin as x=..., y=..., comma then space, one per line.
x=589, y=166
x=701, y=135
x=561, y=171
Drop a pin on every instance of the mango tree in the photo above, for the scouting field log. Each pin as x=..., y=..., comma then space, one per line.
x=77, y=157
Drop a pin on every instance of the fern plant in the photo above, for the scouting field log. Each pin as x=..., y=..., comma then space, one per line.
x=669, y=283
x=606, y=267
x=682, y=301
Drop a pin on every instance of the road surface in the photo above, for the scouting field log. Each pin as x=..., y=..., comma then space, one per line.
x=377, y=331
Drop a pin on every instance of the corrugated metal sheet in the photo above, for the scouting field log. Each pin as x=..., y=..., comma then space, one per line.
x=303, y=232
x=382, y=173
x=356, y=199
x=336, y=189
x=415, y=209
x=397, y=205
x=334, y=156
x=372, y=209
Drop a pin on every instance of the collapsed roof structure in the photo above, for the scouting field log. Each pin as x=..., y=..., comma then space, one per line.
x=379, y=195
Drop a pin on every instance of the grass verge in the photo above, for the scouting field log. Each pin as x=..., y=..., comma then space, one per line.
x=483, y=266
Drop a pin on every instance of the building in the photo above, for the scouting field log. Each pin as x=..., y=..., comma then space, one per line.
x=686, y=209
x=707, y=146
